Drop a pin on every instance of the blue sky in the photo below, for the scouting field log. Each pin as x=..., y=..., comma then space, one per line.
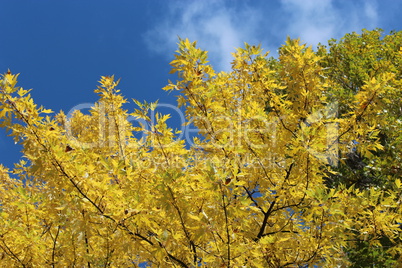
x=61, y=48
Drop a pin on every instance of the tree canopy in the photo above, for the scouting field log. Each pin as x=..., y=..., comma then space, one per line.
x=297, y=163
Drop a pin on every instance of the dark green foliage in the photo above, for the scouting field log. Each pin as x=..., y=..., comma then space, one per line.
x=350, y=62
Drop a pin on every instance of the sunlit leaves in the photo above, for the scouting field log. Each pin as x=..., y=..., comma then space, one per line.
x=115, y=188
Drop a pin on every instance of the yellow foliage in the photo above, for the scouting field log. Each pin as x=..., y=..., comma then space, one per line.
x=249, y=192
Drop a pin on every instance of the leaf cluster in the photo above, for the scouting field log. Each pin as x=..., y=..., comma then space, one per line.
x=266, y=183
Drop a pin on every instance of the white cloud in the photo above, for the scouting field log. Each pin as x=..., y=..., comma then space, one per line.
x=317, y=21
x=221, y=26
x=312, y=21
x=218, y=28
x=370, y=10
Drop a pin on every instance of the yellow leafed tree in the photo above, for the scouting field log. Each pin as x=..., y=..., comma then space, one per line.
x=96, y=190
